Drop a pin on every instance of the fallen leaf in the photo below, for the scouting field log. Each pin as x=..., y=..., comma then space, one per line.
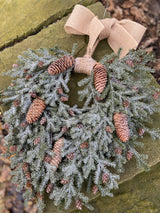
x=128, y=4
x=138, y=13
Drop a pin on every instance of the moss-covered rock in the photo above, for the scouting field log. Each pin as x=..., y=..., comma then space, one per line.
x=20, y=19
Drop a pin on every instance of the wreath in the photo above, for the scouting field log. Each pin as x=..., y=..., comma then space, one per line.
x=68, y=151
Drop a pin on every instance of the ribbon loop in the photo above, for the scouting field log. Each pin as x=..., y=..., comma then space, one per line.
x=123, y=34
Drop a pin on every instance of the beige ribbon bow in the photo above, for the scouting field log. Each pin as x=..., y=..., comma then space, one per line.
x=123, y=34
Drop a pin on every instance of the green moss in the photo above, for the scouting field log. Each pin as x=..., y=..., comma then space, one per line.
x=24, y=18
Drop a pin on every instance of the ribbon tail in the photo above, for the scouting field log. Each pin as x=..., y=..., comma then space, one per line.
x=121, y=38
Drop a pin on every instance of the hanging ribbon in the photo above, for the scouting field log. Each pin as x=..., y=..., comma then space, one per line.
x=123, y=34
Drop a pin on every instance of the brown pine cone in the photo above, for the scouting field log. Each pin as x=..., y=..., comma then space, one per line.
x=43, y=120
x=12, y=149
x=40, y=64
x=118, y=150
x=126, y=103
x=84, y=145
x=130, y=63
x=16, y=103
x=129, y=155
x=6, y=126
x=105, y=178
x=37, y=141
x=24, y=124
x=141, y=131
x=61, y=65
x=64, y=98
x=121, y=125
x=100, y=77
x=28, y=77
x=29, y=184
x=78, y=204
x=49, y=187
x=33, y=94
x=28, y=175
x=55, y=161
x=57, y=146
x=156, y=95
x=39, y=196
x=60, y=91
x=64, y=129
x=63, y=181
x=25, y=167
x=108, y=129
x=47, y=158
x=25, y=71
x=71, y=112
x=35, y=110
x=94, y=189
x=70, y=156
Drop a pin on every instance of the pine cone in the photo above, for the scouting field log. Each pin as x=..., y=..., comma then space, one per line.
x=39, y=196
x=63, y=181
x=47, y=158
x=64, y=98
x=135, y=88
x=28, y=77
x=16, y=103
x=12, y=149
x=100, y=77
x=33, y=94
x=25, y=71
x=118, y=150
x=64, y=129
x=6, y=126
x=43, y=120
x=25, y=167
x=49, y=187
x=28, y=175
x=24, y=124
x=29, y=184
x=55, y=161
x=78, y=204
x=121, y=125
x=61, y=65
x=57, y=146
x=156, y=95
x=35, y=110
x=71, y=112
x=94, y=189
x=60, y=91
x=105, y=178
x=129, y=155
x=141, y=131
x=40, y=64
x=130, y=63
x=108, y=129
x=37, y=141
x=84, y=145
x=70, y=156
x=126, y=103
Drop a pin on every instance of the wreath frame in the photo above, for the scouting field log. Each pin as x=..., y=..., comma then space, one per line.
x=90, y=163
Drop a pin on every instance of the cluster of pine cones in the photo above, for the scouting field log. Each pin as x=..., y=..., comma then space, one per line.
x=67, y=61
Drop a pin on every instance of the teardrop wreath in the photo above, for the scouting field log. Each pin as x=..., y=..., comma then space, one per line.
x=56, y=148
